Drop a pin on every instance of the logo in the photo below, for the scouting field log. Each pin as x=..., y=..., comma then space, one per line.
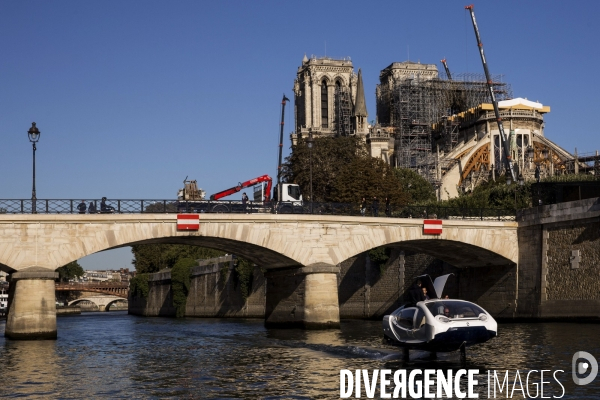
x=582, y=367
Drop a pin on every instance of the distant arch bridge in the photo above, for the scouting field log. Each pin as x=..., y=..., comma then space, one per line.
x=103, y=302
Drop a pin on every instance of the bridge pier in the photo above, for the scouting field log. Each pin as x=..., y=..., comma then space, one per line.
x=305, y=297
x=31, y=304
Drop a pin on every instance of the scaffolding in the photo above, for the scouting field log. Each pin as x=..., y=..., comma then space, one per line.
x=422, y=111
x=343, y=111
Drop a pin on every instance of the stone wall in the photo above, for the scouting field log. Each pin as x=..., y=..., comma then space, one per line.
x=367, y=290
x=215, y=291
x=569, y=286
x=566, y=280
x=160, y=299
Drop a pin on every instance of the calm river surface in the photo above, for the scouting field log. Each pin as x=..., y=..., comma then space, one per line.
x=115, y=355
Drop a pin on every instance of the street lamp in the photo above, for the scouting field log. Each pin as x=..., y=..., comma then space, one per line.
x=34, y=136
x=310, y=143
x=531, y=156
x=521, y=182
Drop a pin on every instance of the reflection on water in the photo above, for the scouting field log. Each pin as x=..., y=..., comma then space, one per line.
x=115, y=355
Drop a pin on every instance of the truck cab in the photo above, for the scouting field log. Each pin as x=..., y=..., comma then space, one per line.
x=288, y=198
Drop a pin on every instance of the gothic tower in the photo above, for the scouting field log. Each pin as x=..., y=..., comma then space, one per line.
x=329, y=99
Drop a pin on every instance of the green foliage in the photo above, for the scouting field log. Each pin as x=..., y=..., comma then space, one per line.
x=380, y=256
x=329, y=157
x=343, y=172
x=419, y=189
x=368, y=177
x=154, y=257
x=495, y=195
x=223, y=271
x=70, y=271
x=180, y=284
x=138, y=285
x=244, y=270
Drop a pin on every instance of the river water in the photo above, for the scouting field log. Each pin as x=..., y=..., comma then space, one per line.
x=115, y=355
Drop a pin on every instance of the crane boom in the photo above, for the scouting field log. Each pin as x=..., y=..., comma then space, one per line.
x=242, y=185
x=507, y=156
x=447, y=69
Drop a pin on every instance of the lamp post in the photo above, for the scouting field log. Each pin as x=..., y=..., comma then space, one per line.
x=543, y=154
x=521, y=182
x=310, y=143
x=34, y=136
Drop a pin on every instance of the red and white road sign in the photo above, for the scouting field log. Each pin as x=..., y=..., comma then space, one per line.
x=432, y=226
x=188, y=222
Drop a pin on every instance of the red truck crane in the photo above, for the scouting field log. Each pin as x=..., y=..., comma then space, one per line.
x=243, y=185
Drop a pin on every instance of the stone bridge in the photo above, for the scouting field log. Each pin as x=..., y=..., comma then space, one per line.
x=109, y=288
x=300, y=253
x=103, y=302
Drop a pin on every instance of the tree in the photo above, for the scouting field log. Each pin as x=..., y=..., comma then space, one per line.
x=150, y=258
x=368, y=177
x=244, y=270
x=343, y=171
x=497, y=195
x=180, y=284
x=69, y=271
x=419, y=189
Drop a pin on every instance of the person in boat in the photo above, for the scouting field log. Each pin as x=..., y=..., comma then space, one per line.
x=425, y=296
x=416, y=293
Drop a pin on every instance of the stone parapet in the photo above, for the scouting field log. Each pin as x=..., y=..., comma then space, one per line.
x=560, y=212
x=162, y=275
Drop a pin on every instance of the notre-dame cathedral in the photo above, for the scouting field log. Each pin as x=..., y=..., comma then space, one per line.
x=444, y=128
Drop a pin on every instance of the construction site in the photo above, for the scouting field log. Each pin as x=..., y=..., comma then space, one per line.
x=418, y=108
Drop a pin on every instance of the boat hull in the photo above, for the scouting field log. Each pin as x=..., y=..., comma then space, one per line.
x=448, y=341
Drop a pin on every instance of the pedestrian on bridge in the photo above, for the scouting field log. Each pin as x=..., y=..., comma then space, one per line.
x=105, y=208
x=82, y=207
x=92, y=207
x=375, y=206
x=363, y=206
x=245, y=202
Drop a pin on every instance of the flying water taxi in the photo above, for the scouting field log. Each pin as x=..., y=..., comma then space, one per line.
x=438, y=325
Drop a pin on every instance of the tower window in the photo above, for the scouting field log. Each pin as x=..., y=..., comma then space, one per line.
x=324, y=105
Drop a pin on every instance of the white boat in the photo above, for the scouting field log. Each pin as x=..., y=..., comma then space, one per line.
x=439, y=325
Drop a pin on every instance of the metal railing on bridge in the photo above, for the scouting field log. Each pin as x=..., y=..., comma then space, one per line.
x=60, y=206
x=115, y=288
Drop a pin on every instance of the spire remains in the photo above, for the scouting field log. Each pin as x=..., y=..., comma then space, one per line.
x=360, y=107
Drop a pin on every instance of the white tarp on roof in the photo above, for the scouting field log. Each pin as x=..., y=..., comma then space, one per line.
x=519, y=101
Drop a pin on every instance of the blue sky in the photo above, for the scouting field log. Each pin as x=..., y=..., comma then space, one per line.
x=131, y=97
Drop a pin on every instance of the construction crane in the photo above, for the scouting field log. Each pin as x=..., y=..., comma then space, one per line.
x=507, y=156
x=243, y=185
x=447, y=69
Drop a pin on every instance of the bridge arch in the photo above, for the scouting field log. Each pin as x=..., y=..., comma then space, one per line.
x=103, y=302
x=272, y=241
